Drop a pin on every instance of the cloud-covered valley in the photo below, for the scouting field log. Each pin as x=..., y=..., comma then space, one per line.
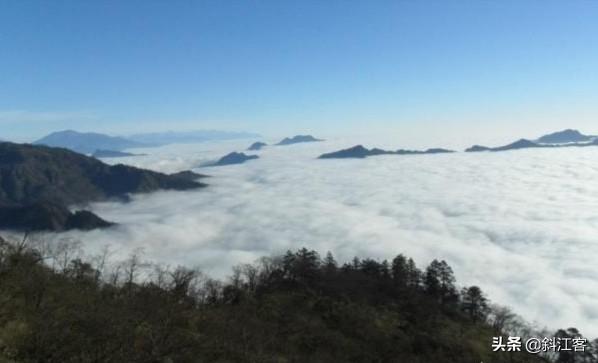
x=523, y=225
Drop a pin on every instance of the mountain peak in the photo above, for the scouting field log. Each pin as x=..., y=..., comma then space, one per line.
x=234, y=158
x=257, y=146
x=565, y=136
x=477, y=148
x=519, y=144
x=357, y=151
x=298, y=139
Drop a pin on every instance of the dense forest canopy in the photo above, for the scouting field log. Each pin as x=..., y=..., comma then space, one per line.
x=298, y=307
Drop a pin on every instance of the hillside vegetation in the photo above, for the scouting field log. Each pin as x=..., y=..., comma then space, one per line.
x=292, y=308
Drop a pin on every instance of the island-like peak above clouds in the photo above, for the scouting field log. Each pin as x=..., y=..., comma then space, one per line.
x=298, y=139
x=477, y=148
x=257, y=146
x=565, y=136
x=359, y=151
x=86, y=142
x=527, y=144
x=38, y=183
x=519, y=144
x=233, y=158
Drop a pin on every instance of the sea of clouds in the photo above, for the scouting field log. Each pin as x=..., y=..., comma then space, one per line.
x=523, y=225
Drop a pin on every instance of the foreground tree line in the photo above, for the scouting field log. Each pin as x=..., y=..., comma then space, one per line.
x=299, y=307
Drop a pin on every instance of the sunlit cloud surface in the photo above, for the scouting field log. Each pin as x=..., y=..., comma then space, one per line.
x=523, y=225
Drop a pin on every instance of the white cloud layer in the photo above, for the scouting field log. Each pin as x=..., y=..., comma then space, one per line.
x=523, y=225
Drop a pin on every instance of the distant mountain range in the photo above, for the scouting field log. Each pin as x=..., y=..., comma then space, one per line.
x=565, y=138
x=527, y=144
x=39, y=183
x=86, y=142
x=90, y=142
x=101, y=145
x=233, y=158
x=298, y=139
x=359, y=151
x=519, y=144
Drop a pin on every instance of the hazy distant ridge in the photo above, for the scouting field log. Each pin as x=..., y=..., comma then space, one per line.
x=555, y=140
x=359, y=151
x=86, y=142
x=89, y=142
x=298, y=139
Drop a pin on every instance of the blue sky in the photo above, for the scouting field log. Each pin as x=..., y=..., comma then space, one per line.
x=279, y=67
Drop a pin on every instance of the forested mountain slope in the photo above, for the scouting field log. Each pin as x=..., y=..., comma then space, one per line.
x=292, y=308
